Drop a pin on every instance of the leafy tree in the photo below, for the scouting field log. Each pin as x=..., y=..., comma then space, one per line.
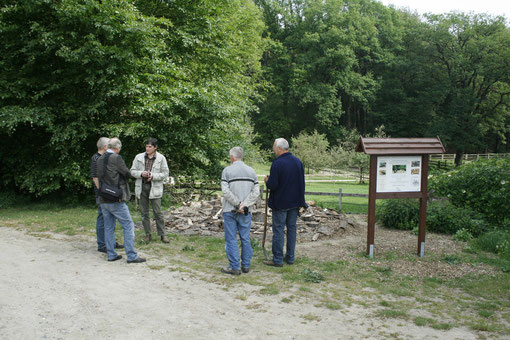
x=311, y=149
x=470, y=53
x=322, y=64
x=73, y=71
x=344, y=154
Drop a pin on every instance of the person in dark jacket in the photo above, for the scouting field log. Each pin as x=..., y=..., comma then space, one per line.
x=286, y=182
x=112, y=170
x=102, y=145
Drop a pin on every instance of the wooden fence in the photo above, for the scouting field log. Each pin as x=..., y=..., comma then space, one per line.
x=340, y=194
x=468, y=156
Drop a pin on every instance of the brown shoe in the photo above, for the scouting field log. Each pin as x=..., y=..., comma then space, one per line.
x=164, y=239
x=272, y=264
x=148, y=238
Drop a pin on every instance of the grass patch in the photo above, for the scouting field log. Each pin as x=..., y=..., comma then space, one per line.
x=155, y=267
x=392, y=313
x=332, y=305
x=311, y=317
x=269, y=290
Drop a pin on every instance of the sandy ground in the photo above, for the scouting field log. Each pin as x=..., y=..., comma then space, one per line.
x=55, y=289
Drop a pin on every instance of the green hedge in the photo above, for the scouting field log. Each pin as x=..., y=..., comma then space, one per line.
x=442, y=217
x=482, y=186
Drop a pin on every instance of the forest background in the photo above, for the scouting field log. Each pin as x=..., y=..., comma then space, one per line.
x=205, y=75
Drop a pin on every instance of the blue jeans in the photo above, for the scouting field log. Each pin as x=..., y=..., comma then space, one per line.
x=120, y=212
x=100, y=229
x=280, y=219
x=233, y=223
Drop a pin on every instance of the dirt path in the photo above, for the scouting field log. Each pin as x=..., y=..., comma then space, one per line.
x=51, y=289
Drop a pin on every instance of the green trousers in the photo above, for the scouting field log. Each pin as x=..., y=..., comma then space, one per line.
x=156, y=209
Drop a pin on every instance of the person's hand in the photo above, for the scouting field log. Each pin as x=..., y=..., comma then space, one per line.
x=241, y=208
x=149, y=176
x=145, y=174
x=266, y=178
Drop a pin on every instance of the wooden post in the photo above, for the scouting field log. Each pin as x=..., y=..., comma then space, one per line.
x=423, y=205
x=340, y=199
x=371, y=206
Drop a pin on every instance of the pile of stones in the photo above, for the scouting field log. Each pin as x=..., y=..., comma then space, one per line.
x=205, y=218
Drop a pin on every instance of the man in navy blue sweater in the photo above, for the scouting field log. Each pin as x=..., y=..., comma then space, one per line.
x=286, y=181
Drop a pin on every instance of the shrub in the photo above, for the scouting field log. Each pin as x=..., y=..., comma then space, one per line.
x=496, y=241
x=482, y=186
x=463, y=235
x=443, y=217
x=400, y=214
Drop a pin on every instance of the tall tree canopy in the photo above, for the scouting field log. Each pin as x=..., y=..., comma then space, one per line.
x=323, y=65
x=73, y=71
x=358, y=64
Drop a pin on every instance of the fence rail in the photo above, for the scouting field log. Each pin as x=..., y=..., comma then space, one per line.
x=340, y=194
x=468, y=156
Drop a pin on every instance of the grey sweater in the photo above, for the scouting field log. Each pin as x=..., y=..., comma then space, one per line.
x=239, y=184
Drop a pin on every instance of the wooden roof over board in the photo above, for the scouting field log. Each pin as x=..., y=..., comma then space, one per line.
x=400, y=146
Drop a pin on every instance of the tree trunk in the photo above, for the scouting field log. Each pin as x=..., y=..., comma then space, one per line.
x=458, y=157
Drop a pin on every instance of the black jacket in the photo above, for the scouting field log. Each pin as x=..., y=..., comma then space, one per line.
x=116, y=173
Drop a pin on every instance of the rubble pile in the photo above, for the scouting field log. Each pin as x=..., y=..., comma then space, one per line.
x=205, y=218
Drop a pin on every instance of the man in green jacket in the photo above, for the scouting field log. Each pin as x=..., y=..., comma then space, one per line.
x=151, y=171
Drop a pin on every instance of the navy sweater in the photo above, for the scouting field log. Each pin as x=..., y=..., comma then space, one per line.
x=287, y=183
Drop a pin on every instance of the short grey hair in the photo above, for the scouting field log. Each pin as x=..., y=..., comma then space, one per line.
x=282, y=143
x=102, y=142
x=114, y=143
x=236, y=152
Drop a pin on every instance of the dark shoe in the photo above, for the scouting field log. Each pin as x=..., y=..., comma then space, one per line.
x=148, y=238
x=272, y=264
x=119, y=246
x=102, y=250
x=118, y=257
x=245, y=269
x=288, y=262
x=137, y=260
x=228, y=270
x=164, y=239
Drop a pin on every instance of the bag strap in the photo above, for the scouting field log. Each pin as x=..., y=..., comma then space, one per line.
x=105, y=163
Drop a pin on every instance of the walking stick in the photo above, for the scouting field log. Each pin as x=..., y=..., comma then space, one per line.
x=265, y=230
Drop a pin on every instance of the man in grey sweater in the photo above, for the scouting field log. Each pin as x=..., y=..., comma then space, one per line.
x=240, y=189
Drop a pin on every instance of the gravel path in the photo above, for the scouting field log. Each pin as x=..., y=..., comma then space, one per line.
x=64, y=289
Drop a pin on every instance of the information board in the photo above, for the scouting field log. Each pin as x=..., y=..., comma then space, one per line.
x=399, y=173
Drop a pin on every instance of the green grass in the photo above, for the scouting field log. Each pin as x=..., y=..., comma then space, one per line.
x=374, y=284
x=352, y=205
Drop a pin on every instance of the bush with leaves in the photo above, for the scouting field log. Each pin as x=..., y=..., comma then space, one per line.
x=442, y=217
x=482, y=186
x=311, y=149
x=400, y=214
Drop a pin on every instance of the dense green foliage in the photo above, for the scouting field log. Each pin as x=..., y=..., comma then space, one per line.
x=358, y=64
x=482, y=186
x=398, y=213
x=442, y=217
x=72, y=71
x=204, y=75
x=496, y=241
